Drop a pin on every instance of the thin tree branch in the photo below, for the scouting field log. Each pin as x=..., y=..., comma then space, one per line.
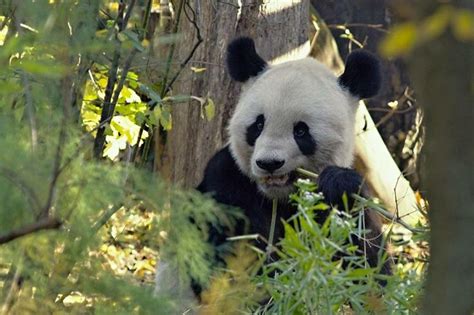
x=16, y=180
x=111, y=93
x=67, y=102
x=30, y=109
x=193, y=50
x=112, y=78
x=165, y=77
x=14, y=288
x=378, y=27
x=49, y=223
x=388, y=215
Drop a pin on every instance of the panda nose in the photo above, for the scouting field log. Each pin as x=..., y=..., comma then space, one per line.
x=270, y=165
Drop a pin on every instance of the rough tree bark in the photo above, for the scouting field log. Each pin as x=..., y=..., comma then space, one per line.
x=443, y=74
x=279, y=27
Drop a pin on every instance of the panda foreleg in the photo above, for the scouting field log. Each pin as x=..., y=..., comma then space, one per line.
x=333, y=182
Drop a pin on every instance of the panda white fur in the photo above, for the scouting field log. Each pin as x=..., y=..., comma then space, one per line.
x=295, y=114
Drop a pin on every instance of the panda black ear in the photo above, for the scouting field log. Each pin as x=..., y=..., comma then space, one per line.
x=362, y=75
x=243, y=62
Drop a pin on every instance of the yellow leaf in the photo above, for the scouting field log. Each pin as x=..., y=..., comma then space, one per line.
x=102, y=82
x=463, y=25
x=436, y=24
x=198, y=69
x=210, y=109
x=400, y=41
x=129, y=95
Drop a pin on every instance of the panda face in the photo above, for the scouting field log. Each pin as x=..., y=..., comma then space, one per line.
x=292, y=115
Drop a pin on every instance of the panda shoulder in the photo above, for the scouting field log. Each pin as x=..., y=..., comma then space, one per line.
x=221, y=173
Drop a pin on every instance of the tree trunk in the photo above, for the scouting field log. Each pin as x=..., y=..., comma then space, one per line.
x=280, y=30
x=443, y=74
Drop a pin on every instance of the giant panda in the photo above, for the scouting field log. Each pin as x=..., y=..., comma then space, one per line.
x=290, y=115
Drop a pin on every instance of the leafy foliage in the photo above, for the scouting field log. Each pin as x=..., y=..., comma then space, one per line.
x=406, y=36
x=124, y=128
x=56, y=198
x=309, y=277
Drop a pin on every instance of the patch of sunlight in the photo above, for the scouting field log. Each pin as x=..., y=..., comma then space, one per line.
x=280, y=5
x=302, y=51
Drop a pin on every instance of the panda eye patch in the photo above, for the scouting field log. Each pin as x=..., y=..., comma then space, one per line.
x=303, y=138
x=255, y=129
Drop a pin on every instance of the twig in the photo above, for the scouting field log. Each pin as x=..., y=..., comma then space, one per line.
x=59, y=148
x=105, y=217
x=30, y=110
x=307, y=173
x=272, y=227
x=163, y=90
x=49, y=223
x=121, y=82
x=172, y=48
x=110, y=97
x=127, y=15
x=390, y=110
x=16, y=180
x=193, y=50
x=378, y=27
x=14, y=287
x=388, y=215
x=112, y=78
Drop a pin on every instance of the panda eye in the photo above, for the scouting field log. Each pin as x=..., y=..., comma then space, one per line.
x=260, y=122
x=300, y=132
x=300, y=129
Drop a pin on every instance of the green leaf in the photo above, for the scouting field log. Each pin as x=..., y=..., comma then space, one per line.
x=148, y=91
x=133, y=37
x=166, y=119
x=47, y=69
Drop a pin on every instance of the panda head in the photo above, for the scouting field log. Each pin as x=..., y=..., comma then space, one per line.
x=295, y=114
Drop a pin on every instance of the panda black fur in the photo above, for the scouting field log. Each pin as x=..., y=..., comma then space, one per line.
x=295, y=114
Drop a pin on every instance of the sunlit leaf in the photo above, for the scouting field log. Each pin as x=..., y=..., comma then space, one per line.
x=400, y=41
x=198, y=69
x=113, y=147
x=436, y=24
x=210, y=109
x=463, y=25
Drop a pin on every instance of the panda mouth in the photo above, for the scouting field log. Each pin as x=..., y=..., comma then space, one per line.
x=277, y=181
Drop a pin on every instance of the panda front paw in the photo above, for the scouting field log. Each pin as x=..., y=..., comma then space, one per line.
x=334, y=181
